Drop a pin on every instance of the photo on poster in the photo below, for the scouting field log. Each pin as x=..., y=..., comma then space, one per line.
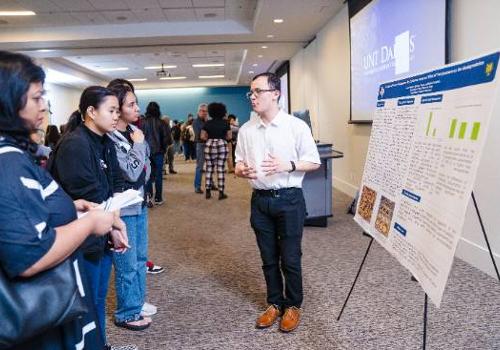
x=384, y=216
x=367, y=203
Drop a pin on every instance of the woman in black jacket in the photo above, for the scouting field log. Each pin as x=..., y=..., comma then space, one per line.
x=86, y=166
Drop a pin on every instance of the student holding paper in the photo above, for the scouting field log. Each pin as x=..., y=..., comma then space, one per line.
x=133, y=157
x=85, y=164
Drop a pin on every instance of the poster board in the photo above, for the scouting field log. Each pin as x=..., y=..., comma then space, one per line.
x=427, y=137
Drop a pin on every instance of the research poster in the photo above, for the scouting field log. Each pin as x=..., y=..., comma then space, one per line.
x=427, y=137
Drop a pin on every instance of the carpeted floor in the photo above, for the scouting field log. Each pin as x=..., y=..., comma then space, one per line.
x=213, y=287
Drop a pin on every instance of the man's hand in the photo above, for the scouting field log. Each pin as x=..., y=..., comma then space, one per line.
x=137, y=136
x=273, y=165
x=245, y=171
x=83, y=205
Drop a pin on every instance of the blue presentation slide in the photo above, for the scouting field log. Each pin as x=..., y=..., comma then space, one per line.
x=392, y=39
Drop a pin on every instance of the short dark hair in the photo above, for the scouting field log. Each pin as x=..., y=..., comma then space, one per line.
x=217, y=110
x=231, y=116
x=121, y=88
x=273, y=80
x=153, y=110
x=17, y=72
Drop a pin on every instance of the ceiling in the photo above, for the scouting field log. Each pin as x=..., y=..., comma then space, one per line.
x=86, y=38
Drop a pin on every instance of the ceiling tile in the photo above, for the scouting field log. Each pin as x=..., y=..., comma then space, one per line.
x=215, y=53
x=142, y=4
x=177, y=15
x=109, y=4
x=172, y=4
x=150, y=15
x=196, y=54
x=86, y=17
x=209, y=14
x=118, y=17
x=74, y=5
x=208, y=3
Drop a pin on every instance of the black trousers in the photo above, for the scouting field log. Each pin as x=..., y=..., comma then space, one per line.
x=277, y=217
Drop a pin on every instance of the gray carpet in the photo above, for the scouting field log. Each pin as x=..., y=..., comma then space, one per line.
x=213, y=288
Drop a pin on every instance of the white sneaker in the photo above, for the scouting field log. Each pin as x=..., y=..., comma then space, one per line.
x=121, y=347
x=148, y=310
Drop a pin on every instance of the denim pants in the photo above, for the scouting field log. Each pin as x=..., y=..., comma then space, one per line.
x=98, y=272
x=156, y=177
x=200, y=162
x=278, y=220
x=130, y=269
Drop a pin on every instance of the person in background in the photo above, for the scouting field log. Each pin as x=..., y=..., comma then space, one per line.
x=274, y=152
x=215, y=133
x=42, y=152
x=30, y=249
x=169, y=155
x=233, y=124
x=198, y=125
x=176, y=137
x=155, y=134
x=85, y=164
x=52, y=136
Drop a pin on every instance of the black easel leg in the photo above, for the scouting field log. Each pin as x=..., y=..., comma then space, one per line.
x=485, y=236
x=424, y=343
x=355, y=279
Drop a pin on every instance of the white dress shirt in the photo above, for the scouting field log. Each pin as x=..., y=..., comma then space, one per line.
x=287, y=138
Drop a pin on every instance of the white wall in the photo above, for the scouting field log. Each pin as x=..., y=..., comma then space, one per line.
x=319, y=80
x=63, y=101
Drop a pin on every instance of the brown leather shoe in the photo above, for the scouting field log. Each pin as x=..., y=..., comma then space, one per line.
x=268, y=317
x=290, y=319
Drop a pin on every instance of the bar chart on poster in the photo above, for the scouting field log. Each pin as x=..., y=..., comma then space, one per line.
x=427, y=138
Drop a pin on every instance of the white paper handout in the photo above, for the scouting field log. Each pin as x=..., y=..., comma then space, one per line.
x=119, y=201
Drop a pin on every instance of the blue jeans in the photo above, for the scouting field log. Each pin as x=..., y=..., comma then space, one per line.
x=278, y=221
x=98, y=272
x=156, y=177
x=200, y=161
x=130, y=269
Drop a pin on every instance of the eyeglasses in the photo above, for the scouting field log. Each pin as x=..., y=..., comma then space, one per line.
x=257, y=92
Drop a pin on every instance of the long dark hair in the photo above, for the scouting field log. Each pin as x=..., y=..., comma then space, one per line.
x=52, y=135
x=17, y=72
x=93, y=96
x=153, y=110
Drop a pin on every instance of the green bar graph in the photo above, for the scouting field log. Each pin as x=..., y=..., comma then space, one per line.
x=463, y=128
x=429, y=124
x=453, y=126
x=475, y=131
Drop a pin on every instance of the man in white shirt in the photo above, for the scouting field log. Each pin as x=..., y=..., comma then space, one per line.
x=274, y=151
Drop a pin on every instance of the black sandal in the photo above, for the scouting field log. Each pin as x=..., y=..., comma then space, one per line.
x=132, y=327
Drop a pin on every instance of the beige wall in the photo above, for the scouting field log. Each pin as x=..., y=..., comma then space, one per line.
x=63, y=101
x=319, y=80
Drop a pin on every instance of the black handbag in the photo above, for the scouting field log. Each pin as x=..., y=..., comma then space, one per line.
x=30, y=306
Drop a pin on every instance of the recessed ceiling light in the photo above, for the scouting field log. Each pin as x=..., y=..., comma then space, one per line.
x=159, y=67
x=278, y=20
x=44, y=50
x=112, y=69
x=138, y=79
x=270, y=36
x=172, y=78
x=251, y=72
x=203, y=65
x=255, y=65
x=121, y=18
x=17, y=13
x=260, y=56
x=210, y=76
x=264, y=47
x=210, y=15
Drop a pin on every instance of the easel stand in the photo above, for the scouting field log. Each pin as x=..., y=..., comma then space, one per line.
x=424, y=340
